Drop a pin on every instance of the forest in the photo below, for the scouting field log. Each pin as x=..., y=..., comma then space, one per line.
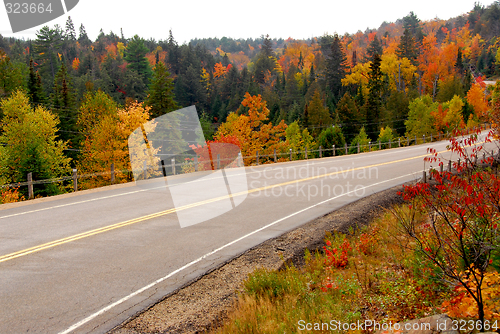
x=69, y=102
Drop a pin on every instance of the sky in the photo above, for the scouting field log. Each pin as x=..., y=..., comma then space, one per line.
x=241, y=19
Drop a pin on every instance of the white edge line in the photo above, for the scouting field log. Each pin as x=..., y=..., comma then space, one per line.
x=124, y=299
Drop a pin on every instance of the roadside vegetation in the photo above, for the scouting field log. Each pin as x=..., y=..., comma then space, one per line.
x=438, y=252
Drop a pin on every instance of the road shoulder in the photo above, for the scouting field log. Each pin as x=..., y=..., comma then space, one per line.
x=203, y=303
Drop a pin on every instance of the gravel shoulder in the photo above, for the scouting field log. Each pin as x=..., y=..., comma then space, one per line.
x=204, y=303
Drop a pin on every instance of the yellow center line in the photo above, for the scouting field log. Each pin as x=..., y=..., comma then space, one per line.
x=169, y=211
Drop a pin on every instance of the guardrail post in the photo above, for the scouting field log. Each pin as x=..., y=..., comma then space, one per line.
x=423, y=139
x=306, y=153
x=257, y=156
x=358, y=147
x=439, y=136
x=333, y=151
x=369, y=146
x=145, y=170
x=240, y=159
x=424, y=176
x=415, y=139
x=75, y=180
x=112, y=173
x=196, y=162
x=218, y=161
x=484, y=157
x=431, y=137
x=441, y=166
x=290, y=154
x=173, y=166
x=275, y=158
x=449, y=166
x=30, y=186
x=379, y=145
x=345, y=148
x=320, y=153
x=163, y=168
x=408, y=141
x=390, y=142
x=399, y=142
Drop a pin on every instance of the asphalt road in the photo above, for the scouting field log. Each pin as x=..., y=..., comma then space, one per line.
x=85, y=262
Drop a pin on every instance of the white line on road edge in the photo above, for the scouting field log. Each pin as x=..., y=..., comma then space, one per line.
x=124, y=299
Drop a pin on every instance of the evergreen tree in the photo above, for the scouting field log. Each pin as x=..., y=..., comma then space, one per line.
x=374, y=48
x=83, y=38
x=70, y=30
x=265, y=62
x=412, y=23
x=336, y=66
x=397, y=107
x=329, y=137
x=293, y=93
x=63, y=96
x=374, y=101
x=407, y=47
x=349, y=115
x=135, y=56
x=319, y=116
x=35, y=90
x=48, y=44
x=161, y=97
x=312, y=75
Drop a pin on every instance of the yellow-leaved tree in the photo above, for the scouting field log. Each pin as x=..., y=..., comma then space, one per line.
x=106, y=139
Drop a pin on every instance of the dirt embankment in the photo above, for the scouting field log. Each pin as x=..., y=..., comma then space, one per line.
x=203, y=304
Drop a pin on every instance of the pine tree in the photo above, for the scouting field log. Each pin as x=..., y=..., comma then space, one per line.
x=336, y=66
x=374, y=101
x=83, y=38
x=319, y=115
x=135, y=56
x=407, y=47
x=35, y=90
x=48, y=44
x=70, y=30
x=374, y=48
x=349, y=115
x=161, y=96
x=63, y=96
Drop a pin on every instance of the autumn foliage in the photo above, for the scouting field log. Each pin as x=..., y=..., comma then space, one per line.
x=458, y=230
x=250, y=130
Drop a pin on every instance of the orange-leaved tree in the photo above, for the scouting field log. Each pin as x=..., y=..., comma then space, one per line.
x=477, y=99
x=249, y=125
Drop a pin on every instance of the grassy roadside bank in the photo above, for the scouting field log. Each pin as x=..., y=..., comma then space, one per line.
x=367, y=275
x=379, y=273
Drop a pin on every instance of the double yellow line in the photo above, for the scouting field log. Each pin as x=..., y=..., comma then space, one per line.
x=83, y=235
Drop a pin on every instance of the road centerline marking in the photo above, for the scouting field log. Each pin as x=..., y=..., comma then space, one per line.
x=103, y=229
